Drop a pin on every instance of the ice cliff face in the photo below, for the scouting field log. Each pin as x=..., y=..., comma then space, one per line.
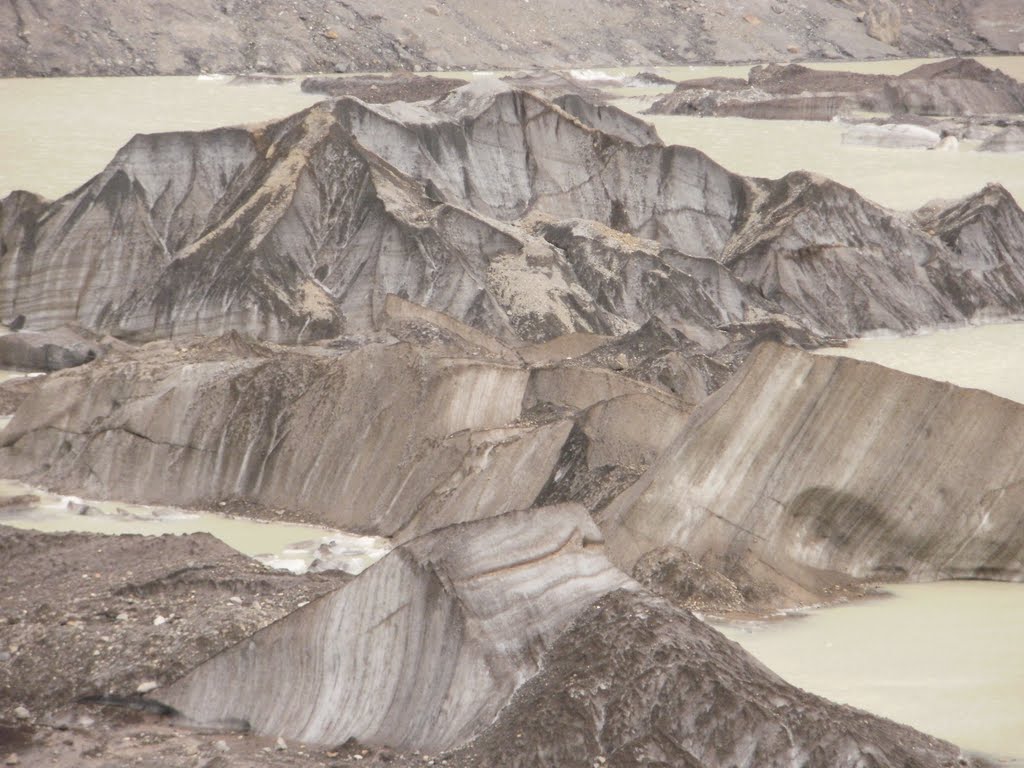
x=805, y=469
x=424, y=650
x=397, y=436
x=497, y=207
x=516, y=634
x=496, y=303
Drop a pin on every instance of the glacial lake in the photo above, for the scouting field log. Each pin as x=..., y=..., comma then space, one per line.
x=946, y=658
x=56, y=133
x=988, y=357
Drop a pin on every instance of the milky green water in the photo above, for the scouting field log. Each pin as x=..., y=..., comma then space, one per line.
x=281, y=545
x=897, y=178
x=946, y=658
x=56, y=133
x=989, y=357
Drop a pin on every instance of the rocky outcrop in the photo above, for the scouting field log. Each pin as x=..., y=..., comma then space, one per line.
x=804, y=471
x=799, y=249
x=636, y=681
x=882, y=21
x=298, y=231
x=998, y=23
x=423, y=649
x=951, y=88
x=978, y=231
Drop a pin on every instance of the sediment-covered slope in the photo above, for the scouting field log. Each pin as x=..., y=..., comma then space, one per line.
x=505, y=153
x=298, y=231
x=424, y=648
x=805, y=469
x=194, y=36
x=638, y=682
x=67, y=589
x=395, y=438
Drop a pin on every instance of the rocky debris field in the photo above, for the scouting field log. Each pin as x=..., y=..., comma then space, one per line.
x=561, y=366
x=45, y=37
x=85, y=615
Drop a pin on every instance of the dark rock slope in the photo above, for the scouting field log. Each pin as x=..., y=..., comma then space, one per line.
x=298, y=230
x=805, y=471
x=79, y=611
x=636, y=681
x=110, y=37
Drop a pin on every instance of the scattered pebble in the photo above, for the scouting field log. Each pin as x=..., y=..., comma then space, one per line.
x=22, y=713
x=159, y=620
x=280, y=746
x=12, y=759
x=146, y=687
x=221, y=746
